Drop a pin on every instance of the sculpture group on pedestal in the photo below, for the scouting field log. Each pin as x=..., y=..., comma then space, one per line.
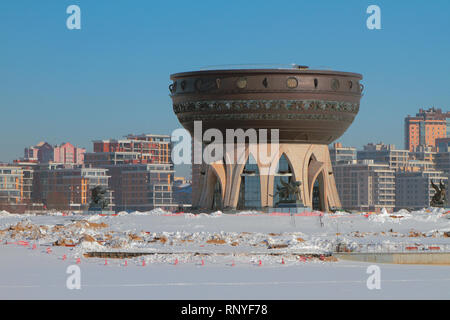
x=289, y=193
x=440, y=198
x=98, y=199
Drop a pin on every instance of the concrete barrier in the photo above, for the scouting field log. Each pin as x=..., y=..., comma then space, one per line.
x=437, y=258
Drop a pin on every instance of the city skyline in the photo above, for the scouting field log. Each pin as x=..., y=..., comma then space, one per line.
x=49, y=71
x=26, y=148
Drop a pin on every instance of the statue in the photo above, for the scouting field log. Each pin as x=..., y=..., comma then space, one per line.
x=289, y=192
x=439, y=198
x=98, y=198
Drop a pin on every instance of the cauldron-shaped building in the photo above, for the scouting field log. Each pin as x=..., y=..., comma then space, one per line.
x=310, y=108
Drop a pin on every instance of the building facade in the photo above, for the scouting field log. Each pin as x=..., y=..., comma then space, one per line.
x=443, y=144
x=426, y=127
x=384, y=154
x=68, y=187
x=145, y=148
x=43, y=152
x=141, y=170
x=142, y=187
x=11, y=185
x=342, y=155
x=414, y=190
x=366, y=186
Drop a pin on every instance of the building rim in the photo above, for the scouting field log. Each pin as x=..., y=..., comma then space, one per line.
x=265, y=71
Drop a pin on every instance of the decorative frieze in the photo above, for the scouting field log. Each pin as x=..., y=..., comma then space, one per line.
x=237, y=106
x=264, y=116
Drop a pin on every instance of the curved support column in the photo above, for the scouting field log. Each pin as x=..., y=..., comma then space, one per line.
x=308, y=163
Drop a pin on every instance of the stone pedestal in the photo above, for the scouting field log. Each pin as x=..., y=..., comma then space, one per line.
x=290, y=207
x=103, y=212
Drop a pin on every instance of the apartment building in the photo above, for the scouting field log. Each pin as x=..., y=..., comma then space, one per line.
x=141, y=170
x=43, y=152
x=365, y=185
x=384, y=154
x=414, y=190
x=11, y=185
x=68, y=187
x=424, y=128
x=341, y=155
x=142, y=187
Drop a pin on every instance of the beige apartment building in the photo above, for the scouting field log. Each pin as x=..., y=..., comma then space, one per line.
x=365, y=186
x=384, y=154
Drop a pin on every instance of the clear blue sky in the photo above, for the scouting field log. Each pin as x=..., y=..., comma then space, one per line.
x=111, y=77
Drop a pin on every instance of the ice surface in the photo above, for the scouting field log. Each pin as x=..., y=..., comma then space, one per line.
x=231, y=247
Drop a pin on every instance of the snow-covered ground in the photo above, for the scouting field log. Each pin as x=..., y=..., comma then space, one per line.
x=219, y=256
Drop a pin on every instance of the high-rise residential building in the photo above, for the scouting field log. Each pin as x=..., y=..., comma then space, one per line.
x=443, y=144
x=365, y=185
x=142, y=187
x=67, y=186
x=28, y=169
x=423, y=158
x=342, y=155
x=443, y=158
x=182, y=191
x=384, y=154
x=68, y=153
x=141, y=170
x=11, y=185
x=443, y=162
x=414, y=189
x=419, y=165
x=426, y=127
x=43, y=152
x=145, y=148
x=423, y=153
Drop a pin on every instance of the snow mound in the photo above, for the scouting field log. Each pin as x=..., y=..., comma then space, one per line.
x=155, y=212
x=424, y=215
x=88, y=245
x=243, y=213
x=4, y=213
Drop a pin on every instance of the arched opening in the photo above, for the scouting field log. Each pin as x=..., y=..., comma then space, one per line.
x=250, y=188
x=317, y=197
x=283, y=172
x=217, y=203
x=312, y=158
